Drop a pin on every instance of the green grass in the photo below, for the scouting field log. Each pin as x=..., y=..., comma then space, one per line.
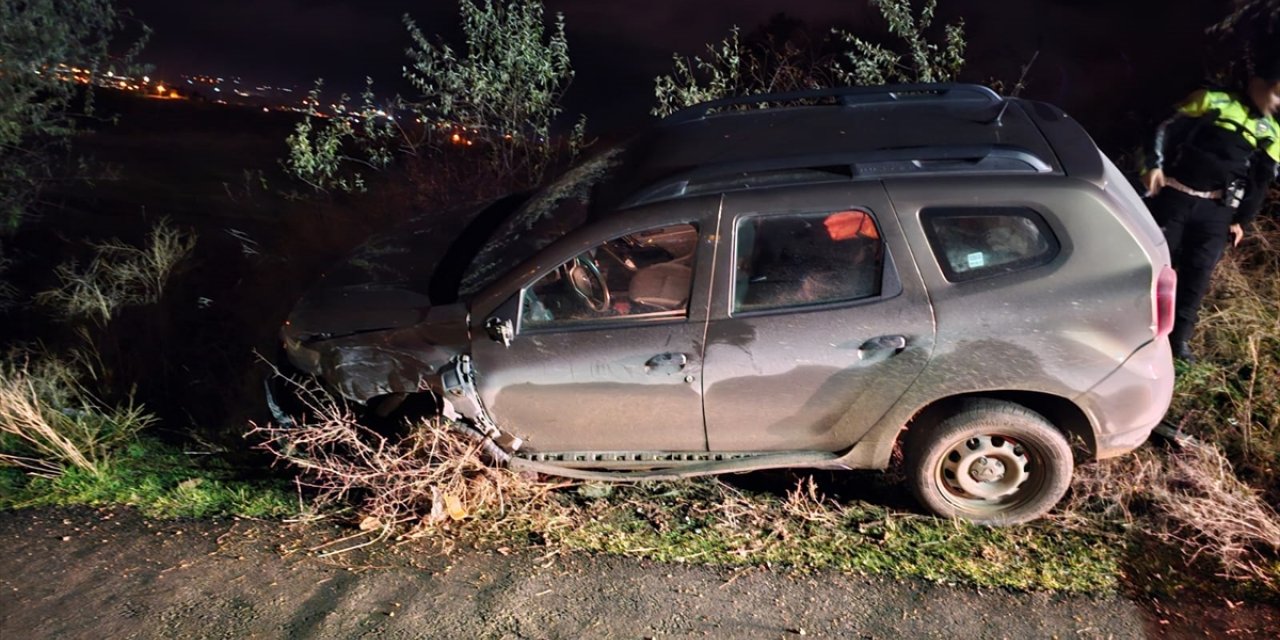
x=158, y=480
x=704, y=522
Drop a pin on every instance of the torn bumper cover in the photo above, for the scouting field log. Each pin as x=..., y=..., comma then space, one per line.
x=365, y=365
x=368, y=365
x=462, y=402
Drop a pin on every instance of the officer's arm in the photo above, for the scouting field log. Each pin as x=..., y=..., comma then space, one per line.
x=1174, y=129
x=1262, y=173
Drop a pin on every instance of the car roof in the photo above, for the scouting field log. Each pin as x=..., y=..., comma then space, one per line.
x=848, y=133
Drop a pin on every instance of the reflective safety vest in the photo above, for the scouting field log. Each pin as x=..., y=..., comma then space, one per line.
x=1263, y=133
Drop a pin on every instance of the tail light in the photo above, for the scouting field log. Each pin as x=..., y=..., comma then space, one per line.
x=1162, y=296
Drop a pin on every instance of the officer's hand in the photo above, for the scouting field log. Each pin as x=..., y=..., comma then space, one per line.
x=1153, y=181
x=1237, y=234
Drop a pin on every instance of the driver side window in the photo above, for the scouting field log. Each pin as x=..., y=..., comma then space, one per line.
x=646, y=275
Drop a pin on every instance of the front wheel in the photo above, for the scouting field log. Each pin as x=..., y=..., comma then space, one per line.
x=994, y=462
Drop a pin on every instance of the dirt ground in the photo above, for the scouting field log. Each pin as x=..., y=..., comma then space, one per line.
x=81, y=573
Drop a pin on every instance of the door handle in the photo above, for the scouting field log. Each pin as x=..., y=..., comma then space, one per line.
x=885, y=343
x=671, y=361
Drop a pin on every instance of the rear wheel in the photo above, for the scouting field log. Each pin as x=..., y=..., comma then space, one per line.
x=994, y=462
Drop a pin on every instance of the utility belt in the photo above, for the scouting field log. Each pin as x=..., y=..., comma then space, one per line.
x=1231, y=197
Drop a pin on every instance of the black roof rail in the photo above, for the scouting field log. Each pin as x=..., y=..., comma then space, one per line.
x=850, y=97
x=870, y=164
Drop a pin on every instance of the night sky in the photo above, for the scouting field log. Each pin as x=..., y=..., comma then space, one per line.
x=1105, y=62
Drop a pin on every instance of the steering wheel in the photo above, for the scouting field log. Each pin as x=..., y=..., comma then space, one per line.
x=584, y=278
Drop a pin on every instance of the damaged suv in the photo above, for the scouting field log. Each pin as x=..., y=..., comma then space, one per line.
x=931, y=269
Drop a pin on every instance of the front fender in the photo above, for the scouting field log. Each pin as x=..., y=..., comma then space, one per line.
x=368, y=365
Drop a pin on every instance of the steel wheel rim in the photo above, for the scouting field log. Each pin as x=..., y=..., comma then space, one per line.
x=989, y=473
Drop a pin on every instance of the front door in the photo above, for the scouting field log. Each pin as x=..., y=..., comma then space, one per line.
x=606, y=355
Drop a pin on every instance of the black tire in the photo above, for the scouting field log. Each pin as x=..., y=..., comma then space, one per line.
x=993, y=462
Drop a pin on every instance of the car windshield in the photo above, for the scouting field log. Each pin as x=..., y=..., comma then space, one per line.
x=564, y=205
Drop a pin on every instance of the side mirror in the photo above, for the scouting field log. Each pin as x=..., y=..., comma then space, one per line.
x=500, y=331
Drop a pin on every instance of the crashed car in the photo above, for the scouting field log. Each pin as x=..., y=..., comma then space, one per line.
x=933, y=270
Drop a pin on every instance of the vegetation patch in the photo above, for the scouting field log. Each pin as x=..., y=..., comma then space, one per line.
x=159, y=480
x=710, y=522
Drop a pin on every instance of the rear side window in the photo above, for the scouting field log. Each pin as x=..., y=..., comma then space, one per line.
x=981, y=242
x=804, y=259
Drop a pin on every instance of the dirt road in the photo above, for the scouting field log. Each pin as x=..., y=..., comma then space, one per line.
x=112, y=574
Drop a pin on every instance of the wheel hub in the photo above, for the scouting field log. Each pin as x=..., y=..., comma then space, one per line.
x=986, y=468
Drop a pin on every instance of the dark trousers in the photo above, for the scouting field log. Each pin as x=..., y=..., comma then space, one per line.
x=1197, y=230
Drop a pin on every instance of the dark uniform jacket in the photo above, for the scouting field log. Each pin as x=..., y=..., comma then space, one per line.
x=1215, y=139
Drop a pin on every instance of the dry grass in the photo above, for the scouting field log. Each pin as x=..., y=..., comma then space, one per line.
x=49, y=421
x=1231, y=397
x=1191, y=499
x=1210, y=511
x=119, y=275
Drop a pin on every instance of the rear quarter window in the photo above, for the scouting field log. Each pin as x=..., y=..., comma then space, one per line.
x=974, y=243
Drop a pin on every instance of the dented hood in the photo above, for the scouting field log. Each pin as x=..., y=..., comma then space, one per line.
x=392, y=279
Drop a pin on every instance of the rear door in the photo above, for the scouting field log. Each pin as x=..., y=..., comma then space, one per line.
x=819, y=320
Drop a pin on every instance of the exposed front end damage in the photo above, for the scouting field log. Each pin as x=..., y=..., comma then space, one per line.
x=461, y=401
x=367, y=364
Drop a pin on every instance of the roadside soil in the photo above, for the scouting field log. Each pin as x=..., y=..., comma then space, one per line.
x=83, y=573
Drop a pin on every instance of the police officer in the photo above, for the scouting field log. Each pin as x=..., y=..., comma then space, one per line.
x=1208, y=171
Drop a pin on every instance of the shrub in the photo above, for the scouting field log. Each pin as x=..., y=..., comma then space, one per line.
x=924, y=61
x=504, y=91
x=331, y=153
x=495, y=100
x=50, y=422
x=734, y=69
x=41, y=43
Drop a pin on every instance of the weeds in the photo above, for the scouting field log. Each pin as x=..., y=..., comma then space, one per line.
x=119, y=275
x=1191, y=499
x=1210, y=511
x=49, y=422
x=1230, y=397
x=710, y=522
x=433, y=484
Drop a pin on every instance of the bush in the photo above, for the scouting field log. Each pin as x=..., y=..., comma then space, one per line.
x=484, y=113
x=925, y=61
x=49, y=422
x=330, y=153
x=42, y=45
x=732, y=68
x=504, y=91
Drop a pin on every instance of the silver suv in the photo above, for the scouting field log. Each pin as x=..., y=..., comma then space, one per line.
x=930, y=269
